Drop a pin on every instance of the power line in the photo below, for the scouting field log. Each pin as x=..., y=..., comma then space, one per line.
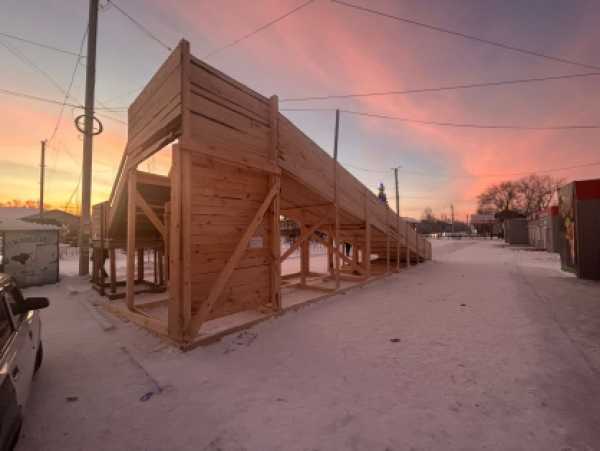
x=258, y=30
x=447, y=124
x=145, y=30
x=67, y=94
x=479, y=126
x=466, y=36
x=37, y=98
x=60, y=103
x=442, y=88
x=480, y=176
x=39, y=44
x=31, y=64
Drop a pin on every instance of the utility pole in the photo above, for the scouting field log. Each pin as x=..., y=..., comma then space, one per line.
x=42, y=176
x=397, y=219
x=86, y=178
x=397, y=191
x=335, y=200
x=452, y=213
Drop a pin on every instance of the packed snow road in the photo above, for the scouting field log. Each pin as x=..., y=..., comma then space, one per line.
x=485, y=347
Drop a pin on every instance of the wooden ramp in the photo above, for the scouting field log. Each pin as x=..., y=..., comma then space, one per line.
x=237, y=167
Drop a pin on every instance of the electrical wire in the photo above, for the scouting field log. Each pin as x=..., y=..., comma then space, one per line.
x=478, y=126
x=31, y=64
x=467, y=36
x=37, y=98
x=480, y=176
x=447, y=124
x=60, y=103
x=39, y=44
x=144, y=29
x=68, y=93
x=258, y=30
x=442, y=88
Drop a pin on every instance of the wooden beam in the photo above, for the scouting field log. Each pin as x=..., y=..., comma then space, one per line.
x=367, y=250
x=150, y=214
x=140, y=264
x=175, y=317
x=304, y=259
x=226, y=272
x=131, y=219
x=387, y=240
x=103, y=214
x=275, y=236
x=186, y=239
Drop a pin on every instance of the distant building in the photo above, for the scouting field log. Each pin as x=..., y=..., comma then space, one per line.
x=485, y=224
x=68, y=223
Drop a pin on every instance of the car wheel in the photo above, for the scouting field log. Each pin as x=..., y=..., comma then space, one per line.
x=39, y=357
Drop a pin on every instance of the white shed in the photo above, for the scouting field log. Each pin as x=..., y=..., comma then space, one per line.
x=29, y=252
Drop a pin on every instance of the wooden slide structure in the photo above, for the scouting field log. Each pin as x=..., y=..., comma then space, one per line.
x=237, y=167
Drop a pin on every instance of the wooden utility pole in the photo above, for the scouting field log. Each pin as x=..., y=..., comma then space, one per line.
x=86, y=178
x=335, y=200
x=42, y=176
x=397, y=220
x=452, y=213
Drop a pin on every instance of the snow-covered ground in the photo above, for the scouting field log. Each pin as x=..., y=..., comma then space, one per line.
x=485, y=347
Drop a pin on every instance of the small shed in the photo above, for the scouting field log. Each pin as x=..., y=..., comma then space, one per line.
x=29, y=252
x=579, y=207
x=544, y=229
x=516, y=231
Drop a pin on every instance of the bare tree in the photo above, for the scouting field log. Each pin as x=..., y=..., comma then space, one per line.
x=500, y=197
x=535, y=192
x=526, y=195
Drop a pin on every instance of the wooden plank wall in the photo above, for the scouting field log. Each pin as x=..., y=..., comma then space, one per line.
x=155, y=115
x=228, y=136
x=224, y=200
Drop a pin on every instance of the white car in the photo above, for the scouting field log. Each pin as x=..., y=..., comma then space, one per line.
x=22, y=353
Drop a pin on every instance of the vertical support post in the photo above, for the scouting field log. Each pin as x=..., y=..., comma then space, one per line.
x=102, y=250
x=42, y=176
x=397, y=220
x=113, y=270
x=335, y=199
x=367, y=249
x=387, y=239
x=275, y=214
x=161, y=266
x=140, y=265
x=131, y=220
x=175, y=315
x=155, y=266
x=330, y=267
x=88, y=135
x=186, y=237
x=304, y=257
x=407, y=230
x=183, y=210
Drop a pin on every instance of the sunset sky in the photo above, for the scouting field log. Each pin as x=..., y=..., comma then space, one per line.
x=322, y=49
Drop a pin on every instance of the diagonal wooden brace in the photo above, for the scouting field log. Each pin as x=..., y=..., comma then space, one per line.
x=351, y=262
x=156, y=222
x=233, y=261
